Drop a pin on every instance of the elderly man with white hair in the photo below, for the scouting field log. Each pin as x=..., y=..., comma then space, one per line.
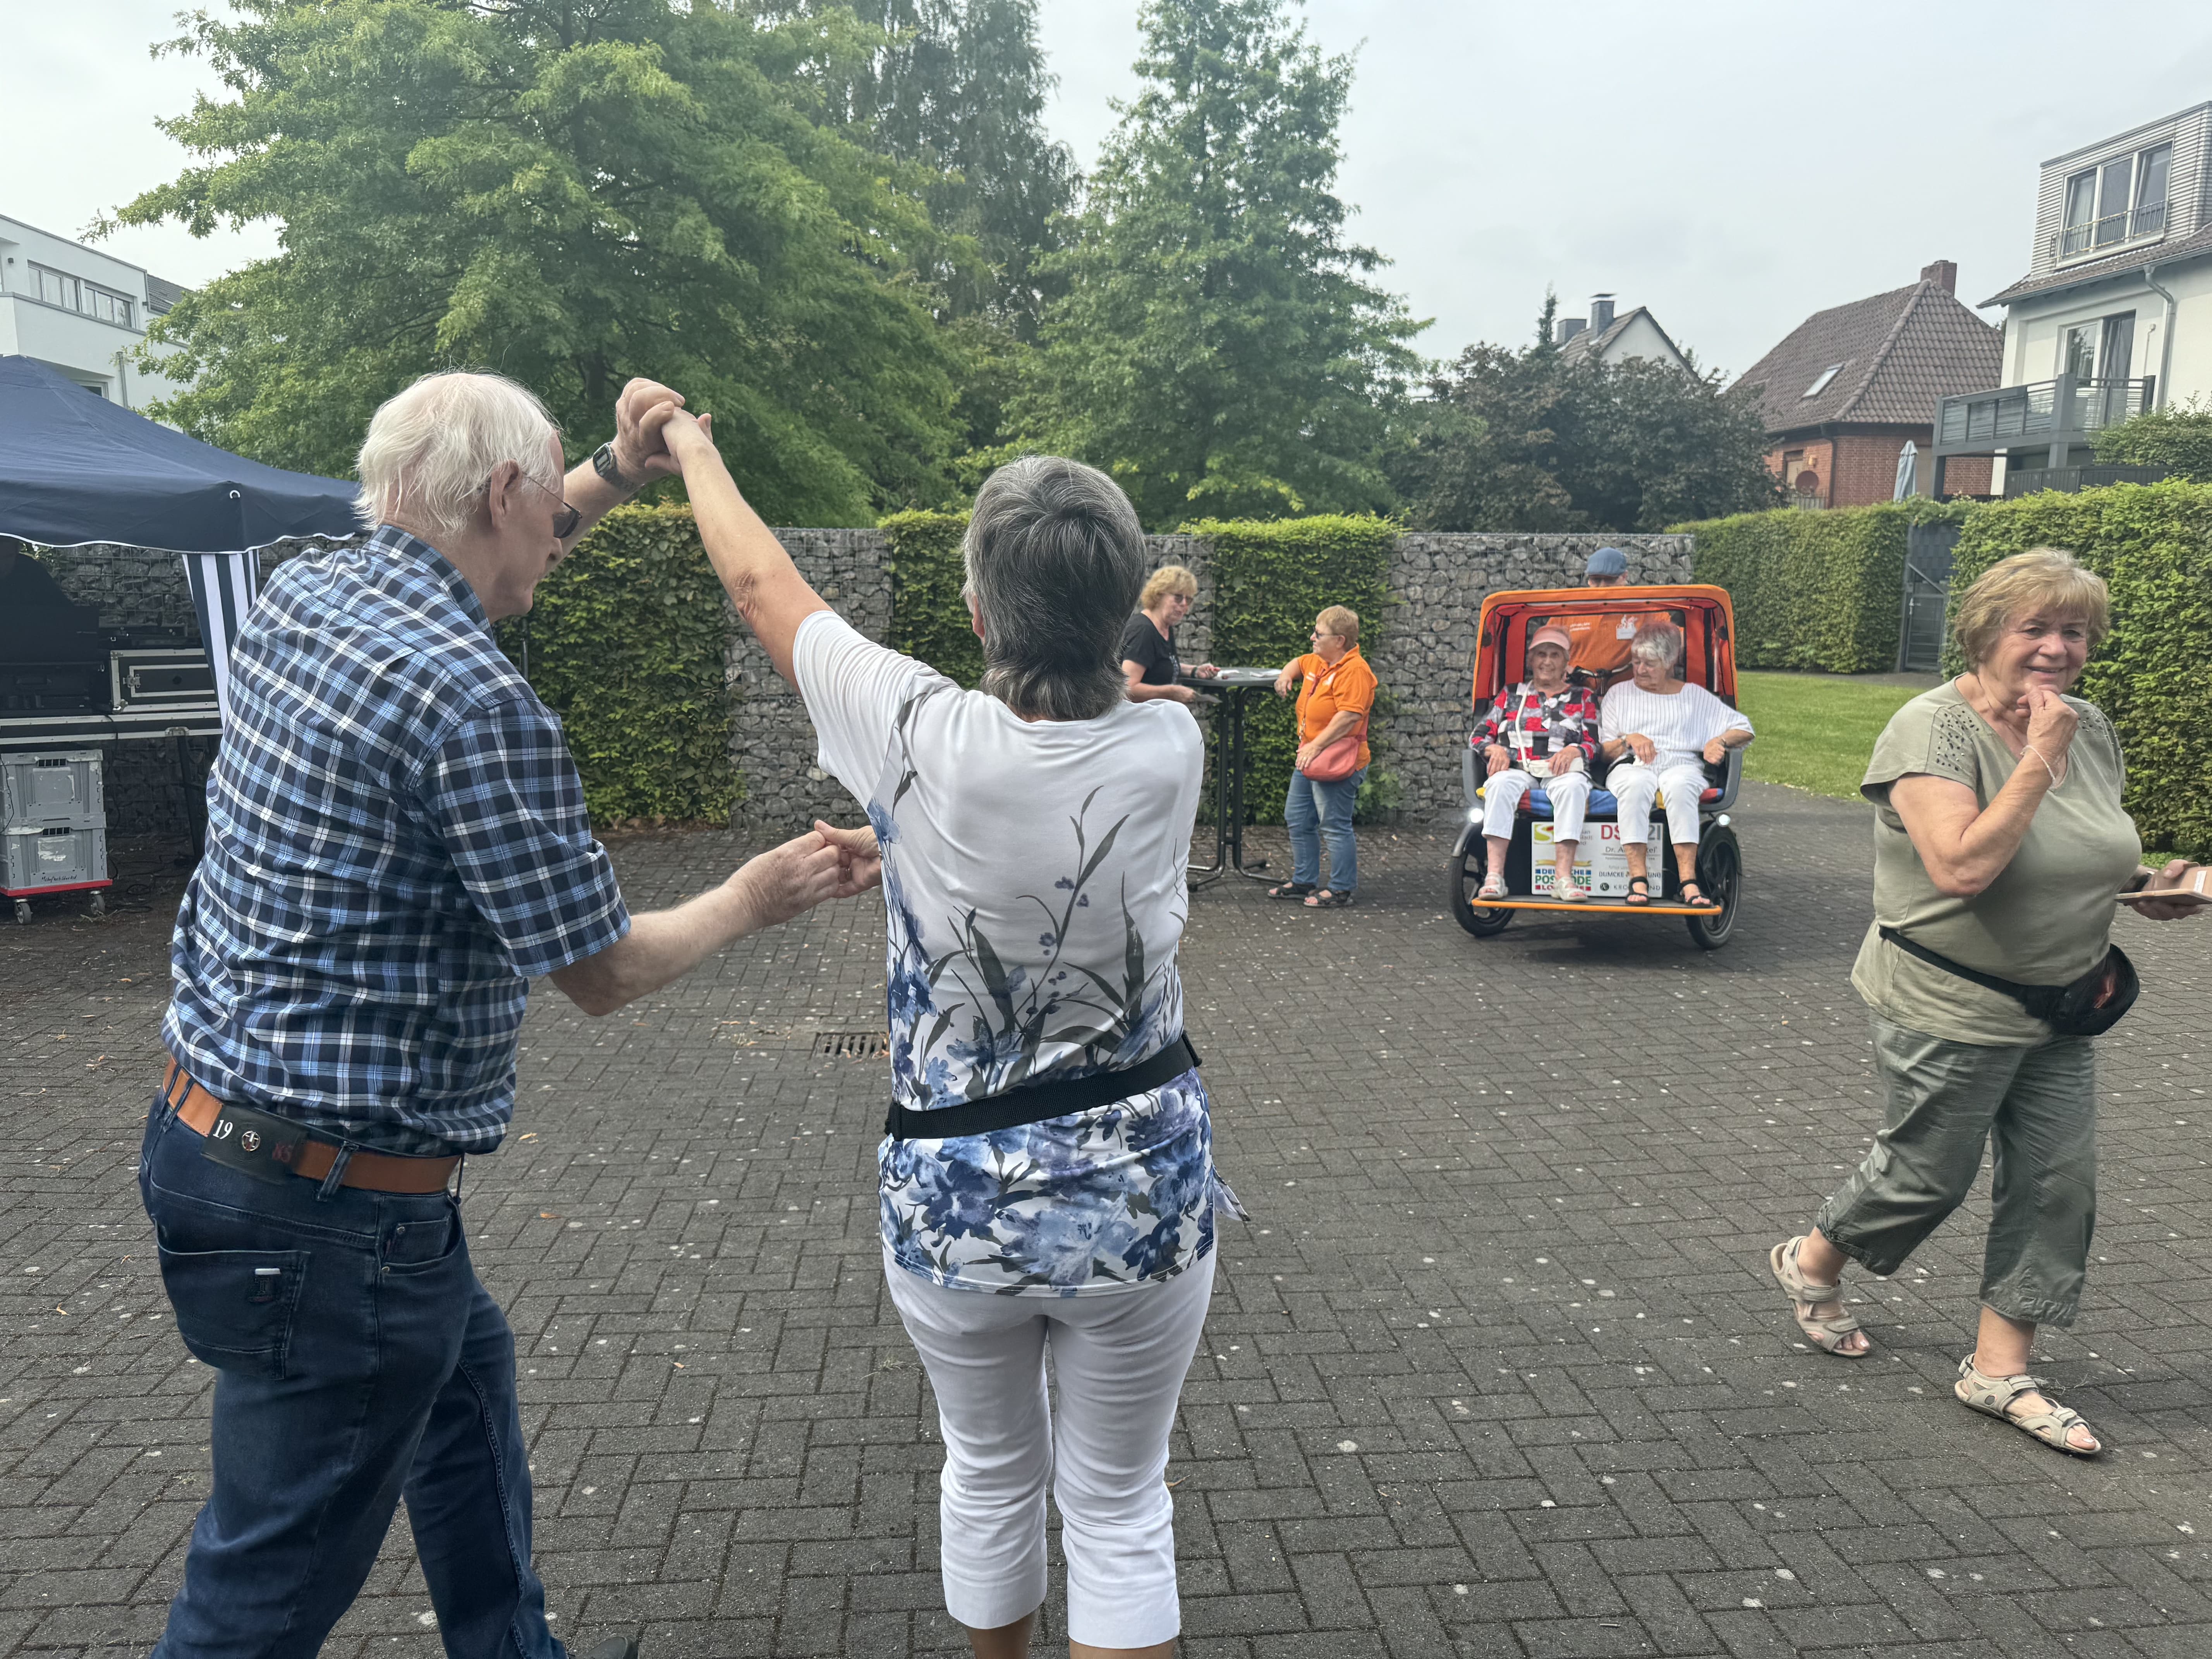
x=397, y=845
x=1661, y=732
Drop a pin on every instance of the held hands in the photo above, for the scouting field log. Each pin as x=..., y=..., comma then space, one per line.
x=683, y=438
x=640, y=451
x=807, y=870
x=1499, y=760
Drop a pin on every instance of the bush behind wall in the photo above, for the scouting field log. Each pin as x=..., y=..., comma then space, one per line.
x=1820, y=591
x=2153, y=545
x=625, y=642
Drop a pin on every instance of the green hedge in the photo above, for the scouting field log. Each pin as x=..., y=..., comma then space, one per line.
x=2153, y=543
x=929, y=619
x=626, y=643
x=1814, y=590
x=1269, y=579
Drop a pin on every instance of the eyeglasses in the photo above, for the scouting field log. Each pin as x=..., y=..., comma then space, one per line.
x=566, y=520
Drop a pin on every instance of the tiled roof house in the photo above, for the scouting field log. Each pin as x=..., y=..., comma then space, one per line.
x=1610, y=339
x=1848, y=386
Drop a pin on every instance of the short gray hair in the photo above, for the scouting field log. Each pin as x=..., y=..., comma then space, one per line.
x=1659, y=643
x=1056, y=559
x=430, y=448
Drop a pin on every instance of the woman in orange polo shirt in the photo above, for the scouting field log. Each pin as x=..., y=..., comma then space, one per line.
x=1335, y=700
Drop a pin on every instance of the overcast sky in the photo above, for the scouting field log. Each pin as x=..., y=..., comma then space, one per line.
x=1733, y=166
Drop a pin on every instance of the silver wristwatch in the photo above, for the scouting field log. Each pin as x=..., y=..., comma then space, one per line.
x=603, y=463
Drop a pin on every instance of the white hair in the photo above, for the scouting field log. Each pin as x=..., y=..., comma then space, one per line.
x=431, y=448
x=1659, y=643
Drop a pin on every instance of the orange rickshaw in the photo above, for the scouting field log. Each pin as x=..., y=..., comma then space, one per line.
x=1708, y=622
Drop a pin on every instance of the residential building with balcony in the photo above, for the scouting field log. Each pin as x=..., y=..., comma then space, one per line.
x=1850, y=386
x=2114, y=315
x=79, y=310
x=1603, y=337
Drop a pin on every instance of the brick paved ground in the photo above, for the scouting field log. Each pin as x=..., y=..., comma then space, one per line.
x=1495, y=1370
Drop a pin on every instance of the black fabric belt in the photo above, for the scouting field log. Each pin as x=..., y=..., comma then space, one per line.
x=1046, y=1097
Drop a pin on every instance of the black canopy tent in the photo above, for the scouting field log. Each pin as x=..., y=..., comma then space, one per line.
x=76, y=470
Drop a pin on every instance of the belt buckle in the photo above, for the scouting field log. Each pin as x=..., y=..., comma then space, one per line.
x=254, y=1143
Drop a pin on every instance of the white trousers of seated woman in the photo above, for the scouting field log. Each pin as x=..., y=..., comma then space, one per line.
x=1501, y=799
x=1118, y=1362
x=1635, y=786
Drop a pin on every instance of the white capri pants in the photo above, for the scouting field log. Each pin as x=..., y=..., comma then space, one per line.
x=1119, y=1358
x=1501, y=798
x=1635, y=786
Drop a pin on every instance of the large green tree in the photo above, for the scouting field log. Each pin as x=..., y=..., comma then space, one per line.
x=958, y=87
x=571, y=192
x=1218, y=348
x=1530, y=439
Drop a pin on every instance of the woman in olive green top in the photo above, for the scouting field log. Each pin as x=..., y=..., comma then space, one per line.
x=1999, y=844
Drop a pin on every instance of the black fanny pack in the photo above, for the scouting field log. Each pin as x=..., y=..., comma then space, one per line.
x=2083, y=1007
x=1046, y=1097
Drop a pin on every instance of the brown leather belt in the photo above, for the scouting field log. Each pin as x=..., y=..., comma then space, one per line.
x=376, y=1172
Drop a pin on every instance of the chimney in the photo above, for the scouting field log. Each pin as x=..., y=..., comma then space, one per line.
x=1600, y=317
x=1944, y=273
x=1566, y=328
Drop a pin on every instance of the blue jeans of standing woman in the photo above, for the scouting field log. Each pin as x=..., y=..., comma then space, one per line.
x=357, y=1360
x=1314, y=810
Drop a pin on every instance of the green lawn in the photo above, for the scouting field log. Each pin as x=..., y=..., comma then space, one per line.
x=1816, y=730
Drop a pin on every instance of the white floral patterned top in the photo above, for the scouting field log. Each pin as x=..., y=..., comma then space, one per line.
x=1034, y=887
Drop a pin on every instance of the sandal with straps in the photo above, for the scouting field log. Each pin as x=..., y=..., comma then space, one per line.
x=1494, y=887
x=1639, y=890
x=1992, y=1396
x=1824, y=1333
x=1291, y=891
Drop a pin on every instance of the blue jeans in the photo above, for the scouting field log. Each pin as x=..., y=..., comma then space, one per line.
x=357, y=1359
x=1313, y=810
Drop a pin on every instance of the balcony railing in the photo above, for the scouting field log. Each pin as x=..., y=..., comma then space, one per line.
x=2114, y=230
x=2043, y=413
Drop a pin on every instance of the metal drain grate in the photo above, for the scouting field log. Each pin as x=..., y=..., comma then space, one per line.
x=852, y=1045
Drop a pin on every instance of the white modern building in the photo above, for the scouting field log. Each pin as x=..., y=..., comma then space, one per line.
x=2114, y=315
x=79, y=310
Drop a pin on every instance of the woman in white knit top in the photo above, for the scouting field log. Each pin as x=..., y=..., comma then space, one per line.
x=1658, y=730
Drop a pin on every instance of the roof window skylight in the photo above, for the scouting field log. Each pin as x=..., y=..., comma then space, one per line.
x=1822, y=385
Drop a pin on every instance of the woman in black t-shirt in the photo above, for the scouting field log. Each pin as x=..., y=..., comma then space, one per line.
x=1148, y=655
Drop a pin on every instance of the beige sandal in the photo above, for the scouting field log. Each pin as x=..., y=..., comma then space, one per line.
x=1991, y=1395
x=1825, y=1335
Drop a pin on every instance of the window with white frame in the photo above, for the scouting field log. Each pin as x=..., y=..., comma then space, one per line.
x=2117, y=201
x=58, y=288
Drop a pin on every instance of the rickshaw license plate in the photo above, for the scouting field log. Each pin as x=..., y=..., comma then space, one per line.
x=1601, y=861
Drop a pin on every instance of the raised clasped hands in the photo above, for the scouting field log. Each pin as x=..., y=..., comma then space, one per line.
x=669, y=432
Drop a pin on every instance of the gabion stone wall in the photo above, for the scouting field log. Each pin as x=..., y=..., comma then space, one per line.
x=770, y=738
x=1438, y=583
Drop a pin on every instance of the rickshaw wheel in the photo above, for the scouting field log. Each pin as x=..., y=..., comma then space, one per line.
x=1469, y=859
x=1720, y=872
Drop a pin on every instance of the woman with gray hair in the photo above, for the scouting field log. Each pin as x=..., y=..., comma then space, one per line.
x=1660, y=732
x=1047, y=1175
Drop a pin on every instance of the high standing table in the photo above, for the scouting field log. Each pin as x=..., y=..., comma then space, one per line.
x=1231, y=761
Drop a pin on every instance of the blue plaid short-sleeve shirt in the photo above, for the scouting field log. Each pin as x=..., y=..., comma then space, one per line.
x=397, y=844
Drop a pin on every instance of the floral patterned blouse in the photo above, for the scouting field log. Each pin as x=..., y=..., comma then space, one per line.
x=1540, y=724
x=1034, y=888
